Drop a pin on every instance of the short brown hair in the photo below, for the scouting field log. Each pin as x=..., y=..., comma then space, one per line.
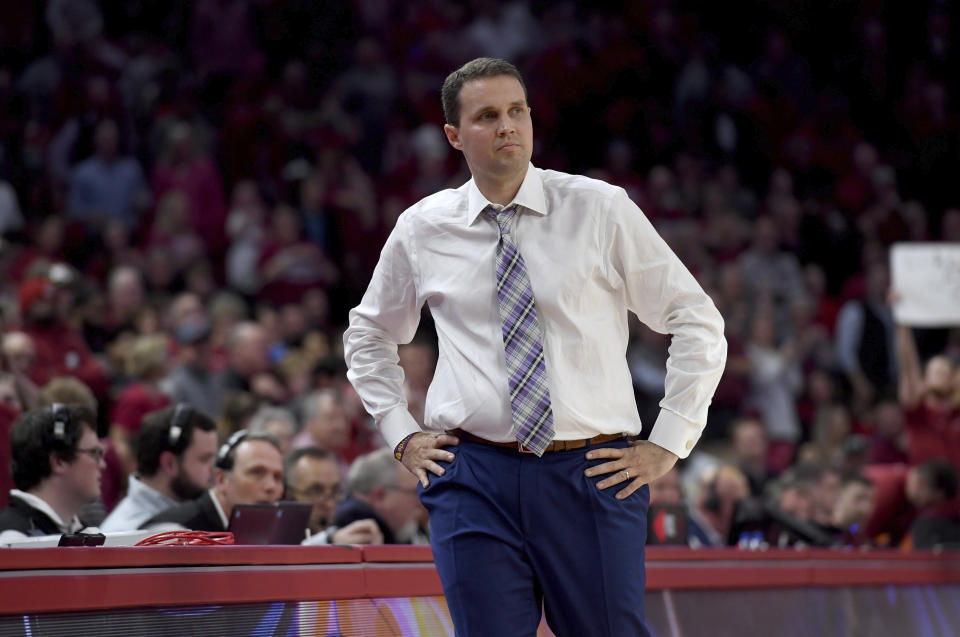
x=472, y=70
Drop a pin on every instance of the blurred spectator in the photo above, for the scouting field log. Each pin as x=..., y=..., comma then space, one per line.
x=59, y=350
x=749, y=438
x=775, y=381
x=325, y=423
x=11, y=218
x=276, y=422
x=18, y=357
x=182, y=166
x=932, y=417
x=248, y=351
x=418, y=360
x=190, y=381
x=249, y=470
x=125, y=299
x=382, y=490
x=888, y=441
x=932, y=489
x=865, y=339
x=719, y=491
x=175, y=451
x=829, y=431
x=8, y=392
x=289, y=265
x=107, y=185
x=245, y=226
x=768, y=272
x=823, y=485
x=852, y=510
x=56, y=464
x=313, y=475
x=146, y=365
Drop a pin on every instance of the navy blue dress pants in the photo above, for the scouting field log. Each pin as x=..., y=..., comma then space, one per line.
x=511, y=532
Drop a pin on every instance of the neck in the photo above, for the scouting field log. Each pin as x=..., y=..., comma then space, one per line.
x=158, y=483
x=500, y=191
x=59, y=502
x=225, y=504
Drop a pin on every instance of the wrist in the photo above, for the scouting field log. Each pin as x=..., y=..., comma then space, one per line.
x=401, y=447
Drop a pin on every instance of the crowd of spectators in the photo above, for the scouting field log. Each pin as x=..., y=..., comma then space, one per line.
x=193, y=195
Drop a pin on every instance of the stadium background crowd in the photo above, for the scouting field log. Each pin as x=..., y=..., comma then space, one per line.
x=193, y=195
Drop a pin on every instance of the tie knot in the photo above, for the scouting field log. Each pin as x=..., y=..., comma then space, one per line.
x=503, y=217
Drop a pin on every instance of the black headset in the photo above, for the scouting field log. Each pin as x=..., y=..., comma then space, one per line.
x=225, y=454
x=61, y=420
x=181, y=418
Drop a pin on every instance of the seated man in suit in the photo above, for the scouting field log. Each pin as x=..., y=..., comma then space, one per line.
x=382, y=490
x=248, y=470
x=56, y=460
x=313, y=475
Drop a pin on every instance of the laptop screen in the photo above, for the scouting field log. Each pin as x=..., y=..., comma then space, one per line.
x=281, y=523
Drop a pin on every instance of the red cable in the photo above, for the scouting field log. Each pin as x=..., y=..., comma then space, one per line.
x=187, y=538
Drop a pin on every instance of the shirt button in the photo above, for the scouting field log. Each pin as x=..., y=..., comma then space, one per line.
x=689, y=444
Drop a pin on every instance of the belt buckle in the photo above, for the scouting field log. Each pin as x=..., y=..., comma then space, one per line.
x=521, y=449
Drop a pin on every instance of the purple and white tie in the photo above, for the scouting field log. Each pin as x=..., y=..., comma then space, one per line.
x=522, y=343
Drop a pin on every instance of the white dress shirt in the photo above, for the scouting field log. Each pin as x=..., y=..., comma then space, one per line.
x=141, y=503
x=591, y=255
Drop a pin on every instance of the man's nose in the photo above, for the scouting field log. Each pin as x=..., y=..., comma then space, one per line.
x=505, y=125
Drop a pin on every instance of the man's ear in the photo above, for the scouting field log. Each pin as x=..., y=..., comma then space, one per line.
x=453, y=136
x=57, y=464
x=219, y=476
x=168, y=463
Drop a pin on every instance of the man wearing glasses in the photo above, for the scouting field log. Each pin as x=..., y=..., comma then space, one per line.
x=56, y=465
x=313, y=475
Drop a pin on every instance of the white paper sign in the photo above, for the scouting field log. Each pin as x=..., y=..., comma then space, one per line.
x=926, y=280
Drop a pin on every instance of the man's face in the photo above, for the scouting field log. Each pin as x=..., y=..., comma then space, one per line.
x=918, y=490
x=398, y=504
x=495, y=131
x=855, y=505
x=824, y=496
x=750, y=442
x=256, y=477
x=252, y=354
x=316, y=481
x=196, y=465
x=329, y=426
x=666, y=489
x=82, y=475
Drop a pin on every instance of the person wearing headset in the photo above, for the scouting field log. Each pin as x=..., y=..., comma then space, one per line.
x=56, y=461
x=248, y=470
x=175, y=451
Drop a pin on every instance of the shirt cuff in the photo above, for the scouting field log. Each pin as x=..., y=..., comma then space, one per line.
x=397, y=424
x=675, y=433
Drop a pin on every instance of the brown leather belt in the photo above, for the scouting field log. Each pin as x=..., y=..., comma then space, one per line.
x=556, y=445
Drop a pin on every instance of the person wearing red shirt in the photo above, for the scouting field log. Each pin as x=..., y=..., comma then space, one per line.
x=147, y=363
x=59, y=350
x=932, y=418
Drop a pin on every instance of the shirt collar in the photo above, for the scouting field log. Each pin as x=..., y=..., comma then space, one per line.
x=530, y=196
x=137, y=488
x=41, y=505
x=216, y=505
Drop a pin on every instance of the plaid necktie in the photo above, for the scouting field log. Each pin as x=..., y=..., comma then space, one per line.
x=522, y=343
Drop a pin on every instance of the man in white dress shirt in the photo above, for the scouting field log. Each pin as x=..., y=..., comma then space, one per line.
x=529, y=275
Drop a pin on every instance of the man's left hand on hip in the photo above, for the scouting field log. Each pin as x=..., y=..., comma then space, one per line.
x=639, y=464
